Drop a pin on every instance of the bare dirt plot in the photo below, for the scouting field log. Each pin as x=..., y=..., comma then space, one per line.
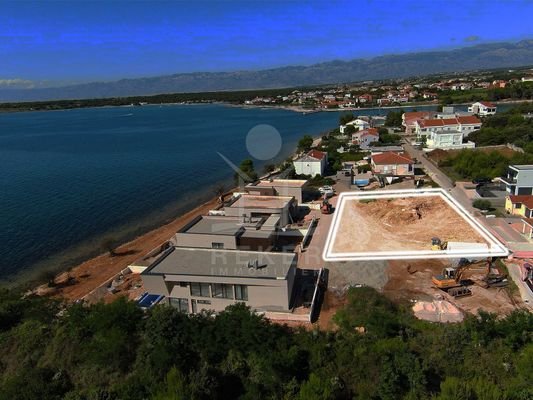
x=400, y=224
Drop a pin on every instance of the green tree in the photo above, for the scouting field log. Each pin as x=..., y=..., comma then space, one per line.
x=394, y=118
x=247, y=174
x=345, y=118
x=305, y=143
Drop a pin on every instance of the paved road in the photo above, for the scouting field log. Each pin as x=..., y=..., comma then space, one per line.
x=441, y=178
x=525, y=292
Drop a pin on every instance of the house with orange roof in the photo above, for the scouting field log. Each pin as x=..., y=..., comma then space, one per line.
x=390, y=164
x=519, y=205
x=483, y=108
x=365, y=138
x=463, y=124
x=409, y=119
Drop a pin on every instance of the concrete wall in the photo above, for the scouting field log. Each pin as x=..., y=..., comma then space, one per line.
x=204, y=240
x=296, y=192
x=524, y=179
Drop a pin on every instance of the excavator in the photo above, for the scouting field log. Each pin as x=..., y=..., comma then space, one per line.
x=451, y=276
x=494, y=279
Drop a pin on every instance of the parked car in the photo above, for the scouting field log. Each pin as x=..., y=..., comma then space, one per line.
x=324, y=188
x=347, y=173
x=329, y=193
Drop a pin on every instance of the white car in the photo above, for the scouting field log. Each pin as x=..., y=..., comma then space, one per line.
x=326, y=190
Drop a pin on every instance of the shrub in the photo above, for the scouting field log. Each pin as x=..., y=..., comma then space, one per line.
x=481, y=204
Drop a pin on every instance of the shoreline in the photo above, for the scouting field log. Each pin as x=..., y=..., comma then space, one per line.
x=83, y=278
x=296, y=109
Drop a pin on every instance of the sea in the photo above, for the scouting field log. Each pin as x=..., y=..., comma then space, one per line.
x=70, y=178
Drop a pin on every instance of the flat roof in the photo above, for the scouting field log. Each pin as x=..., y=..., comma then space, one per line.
x=267, y=202
x=282, y=182
x=230, y=263
x=214, y=225
x=400, y=224
x=522, y=167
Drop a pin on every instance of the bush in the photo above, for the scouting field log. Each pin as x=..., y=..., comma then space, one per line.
x=482, y=204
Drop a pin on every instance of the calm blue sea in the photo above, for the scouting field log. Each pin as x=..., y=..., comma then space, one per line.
x=69, y=178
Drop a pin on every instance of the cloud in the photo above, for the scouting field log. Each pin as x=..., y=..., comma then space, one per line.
x=471, y=38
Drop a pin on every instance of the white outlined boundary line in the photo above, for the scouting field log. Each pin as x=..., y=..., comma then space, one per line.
x=495, y=247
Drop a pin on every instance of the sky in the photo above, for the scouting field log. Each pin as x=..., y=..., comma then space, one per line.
x=55, y=42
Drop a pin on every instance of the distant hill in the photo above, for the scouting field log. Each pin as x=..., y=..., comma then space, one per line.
x=483, y=56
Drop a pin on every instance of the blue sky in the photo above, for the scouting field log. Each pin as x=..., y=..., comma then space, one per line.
x=79, y=41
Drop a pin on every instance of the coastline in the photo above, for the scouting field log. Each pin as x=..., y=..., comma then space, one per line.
x=76, y=282
x=296, y=109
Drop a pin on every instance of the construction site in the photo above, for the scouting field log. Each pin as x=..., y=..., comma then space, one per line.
x=376, y=240
x=405, y=225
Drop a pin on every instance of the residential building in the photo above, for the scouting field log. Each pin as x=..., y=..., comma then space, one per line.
x=313, y=163
x=447, y=140
x=464, y=124
x=358, y=123
x=365, y=98
x=196, y=279
x=483, y=108
x=365, y=138
x=278, y=187
x=519, y=205
x=392, y=164
x=518, y=180
x=409, y=119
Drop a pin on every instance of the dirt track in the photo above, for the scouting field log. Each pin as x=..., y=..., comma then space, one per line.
x=400, y=224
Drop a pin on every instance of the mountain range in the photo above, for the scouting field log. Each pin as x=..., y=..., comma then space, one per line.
x=482, y=56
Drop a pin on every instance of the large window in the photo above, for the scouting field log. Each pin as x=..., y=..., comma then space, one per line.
x=241, y=292
x=200, y=289
x=222, y=290
x=181, y=304
x=216, y=245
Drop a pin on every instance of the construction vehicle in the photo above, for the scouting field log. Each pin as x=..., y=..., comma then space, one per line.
x=461, y=291
x=451, y=276
x=326, y=207
x=494, y=278
x=437, y=244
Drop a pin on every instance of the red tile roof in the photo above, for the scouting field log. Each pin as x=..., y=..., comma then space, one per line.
x=426, y=123
x=369, y=132
x=466, y=120
x=389, y=158
x=319, y=155
x=418, y=115
x=470, y=119
x=525, y=199
x=487, y=104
